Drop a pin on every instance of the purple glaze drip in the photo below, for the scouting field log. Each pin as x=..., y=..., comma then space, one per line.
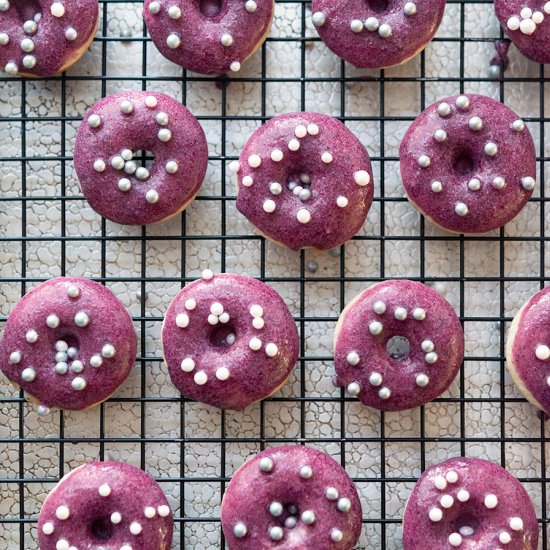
x=220, y=367
x=458, y=188
x=108, y=324
x=277, y=476
x=110, y=505
x=424, y=372
x=486, y=503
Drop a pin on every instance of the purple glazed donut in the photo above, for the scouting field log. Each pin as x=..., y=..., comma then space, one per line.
x=528, y=350
x=377, y=33
x=69, y=343
x=468, y=164
x=397, y=345
x=229, y=340
x=106, y=506
x=471, y=504
x=115, y=130
x=42, y=38
x=208, y=36
x=304, y=180
x=291, y=498
x=528, y=25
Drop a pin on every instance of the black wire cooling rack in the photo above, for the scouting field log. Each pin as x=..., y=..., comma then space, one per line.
x=22, y=521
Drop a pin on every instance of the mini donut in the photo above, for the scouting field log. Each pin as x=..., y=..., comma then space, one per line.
x=208, y=36
x=528, y=350
x=397, y=345
x=69, y=343
x=109, y=140
x=528, y=25
x=377, y=33
x=469, y=503
x=304, y=180
x=106, y=506
x=468, y=164
x=42, y=38
x=229, y=340
x=291, y=498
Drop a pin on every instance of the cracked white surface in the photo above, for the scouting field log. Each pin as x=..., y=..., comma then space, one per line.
x=199, y=461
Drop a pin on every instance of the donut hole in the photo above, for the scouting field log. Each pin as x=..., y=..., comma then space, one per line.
x=144, y=158
x=466, y=524
x=398, y=347
x=101, y=529
x=299, y=184
x=71, y=339
x=223, y=336
x=28, y=9
x=378, y=6
x=463, y=162
x=211, y=8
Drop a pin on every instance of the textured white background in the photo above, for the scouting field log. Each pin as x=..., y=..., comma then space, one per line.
x=486, y=421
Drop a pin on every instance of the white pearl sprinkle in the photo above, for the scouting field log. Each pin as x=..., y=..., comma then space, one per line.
x=342, y=201
x=216, y=308
x=440, y=483
x=182, y=320
x=173, y=41
x=461, y=209
x=331, y=493
x=354, y=389
x=375, y=379
x=505, y=537
x=77, y=366
x=353, y=358
x=104, y=490
x=154, y=8
x=4, y=39
x=385, y=31
x=444, y=109
x=29, y=61
x=163, y=510
x=306, y=472
x=499, y=183
x=516, y=524
x=455, y=539
x=126, y=107
x=400, y=313
x=247, y=181
x=152, y=196
x=108, y=351
x=62, y=513
x=165, y=135
x=308, y=517
x=431, y=357
x=266, y=464
x=94, y=121
x=271, y=350
x=256, y=310
x=294, y=145
x=96, y=361
x=151, y=101
x=71, y=34
x=162, y=118
x=200, y=378
x=258, y=323
x=528, y=183
x=424, y=161
x=303, y=216
x=222, y=373
x=356, y=25
x=518, y=125
x=174, y=12
x=491, y=149
x=440, y=135
x=61, y=367
x=409, y=8
x=254, y=161
x=27, y=45
x=57, y=9
x=190, y=304
x=240, y=530
x=300, y=131
x=372, y=24
x=62, y=544
x=361, y=177
x=78, y=383
x=422, y=380
x=235, y=67
x=336, y=535
x=130, y=167
x=269, y=206
x=447, y=501
x=28, y=374
x=207, y=274
x=427, y=346
x=462, y=102
x=344, y=504
x=81, y=319
x=15, y=357
x=475, y=123
x=526, y=13
x=226, y=40
x=255, y=344
x=379, y=307
x=451, y=476
x=463, y=495
x=312, y=129
x=435, y=514
x=31, y=336
x=490, y=501
x=276, y=533
x=327, y=157
x=213, y=319
x=376, y=328
x=187, y=365
x=99, y=165
x=275, y=188
x=11, y=68
x=276, y=509
x=135, y=528
x=547, y=8
x=419, y=313
x=124, y=185
x=117, y=162
x=149, y=512
x=474, y=184
x=384, y=393
x=319, y=18
x=30, y=26
x=52, y=321
x=48, y=528
x=542, y=352
x=172, y=167
x=116, y=518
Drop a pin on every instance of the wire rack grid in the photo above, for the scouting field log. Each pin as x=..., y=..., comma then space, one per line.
x=47, y=229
